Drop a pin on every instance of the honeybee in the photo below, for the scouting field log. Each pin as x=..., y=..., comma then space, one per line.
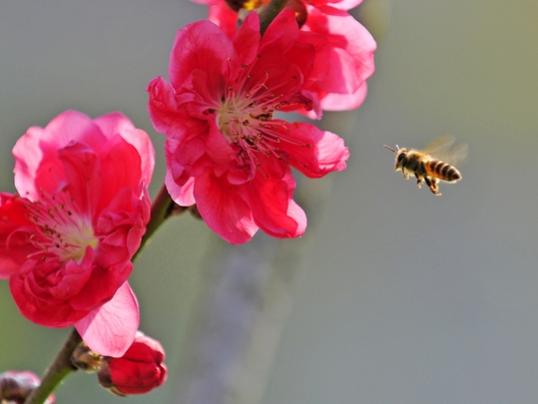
x=431, y=165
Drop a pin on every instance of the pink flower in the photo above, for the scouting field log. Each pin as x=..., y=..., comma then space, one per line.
x=67, y=238
x=344, y=48
x=16, y=386
x=226, y=152
x=138, y=371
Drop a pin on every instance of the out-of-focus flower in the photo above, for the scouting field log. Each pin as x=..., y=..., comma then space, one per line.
x=16, y=386
x=140, y=370
x=226, y=152
x=344, y=48
x=67, y=238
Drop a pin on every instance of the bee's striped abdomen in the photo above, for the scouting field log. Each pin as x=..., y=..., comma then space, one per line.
x=442, y=171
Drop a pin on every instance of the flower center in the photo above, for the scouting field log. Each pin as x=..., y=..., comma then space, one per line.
x=242, y=121
x=64, y=232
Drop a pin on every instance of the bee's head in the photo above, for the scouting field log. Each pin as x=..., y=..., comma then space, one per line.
x=400, y=158
x=399, y=155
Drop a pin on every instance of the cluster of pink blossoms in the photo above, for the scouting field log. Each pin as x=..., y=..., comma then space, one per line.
x=69, y=234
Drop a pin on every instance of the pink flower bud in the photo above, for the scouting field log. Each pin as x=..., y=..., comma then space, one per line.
x=16, y=386
x=140, y=370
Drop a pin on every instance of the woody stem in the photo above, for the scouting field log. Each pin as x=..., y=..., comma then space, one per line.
x=162, y=208
x=57, y=371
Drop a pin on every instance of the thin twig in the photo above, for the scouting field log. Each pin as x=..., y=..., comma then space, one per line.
x=162, y=208
x=56, y=372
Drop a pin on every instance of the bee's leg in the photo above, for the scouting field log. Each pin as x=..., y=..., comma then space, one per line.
x=433, y=184
x=420, y=179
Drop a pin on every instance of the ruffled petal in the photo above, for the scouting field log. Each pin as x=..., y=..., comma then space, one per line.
x=116, y=123
x=222, y=15
x=15, y=232
x=273, y=208
x=247, y=39
x=313, y=151
x=344, y=55
x=223, y=209
x=281, y=34
x=80, y=167
x=110, y=330
x=42, y=290
x=181, y=159
x=37, y=168
x=182, y=194
x=201, y=46
x=345, y=102
x=163, y=107
x=120, y=172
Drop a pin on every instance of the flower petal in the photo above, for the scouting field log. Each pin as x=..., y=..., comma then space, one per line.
x=15, y=232
x=344, y=55
x=272, y=205
x=314, y=152
x=182, y=194
x=117, y=123
x=223, y=209
x=43, y=290
x=36, y=163
x=110, y=330
x=222, y=15
x=163, y=108
x=200, y=46
x=282, y=33
x=345, y=102
x=247, y=39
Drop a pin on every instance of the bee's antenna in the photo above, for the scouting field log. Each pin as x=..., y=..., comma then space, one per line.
x=392, y=149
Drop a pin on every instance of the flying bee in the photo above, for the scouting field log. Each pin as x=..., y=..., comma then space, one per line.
x=431, y=165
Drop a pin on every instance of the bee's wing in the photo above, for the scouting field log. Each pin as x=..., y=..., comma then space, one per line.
x=439, y=145
x=445, y=148
x=457, y=154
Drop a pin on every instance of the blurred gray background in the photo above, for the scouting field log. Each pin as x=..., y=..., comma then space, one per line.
x=393, y=296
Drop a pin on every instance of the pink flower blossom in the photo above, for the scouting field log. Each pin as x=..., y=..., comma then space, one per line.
x=344, y=48
x=67, y=238
x=226, y=152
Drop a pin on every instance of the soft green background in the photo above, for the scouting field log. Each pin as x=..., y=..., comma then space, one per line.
x=398, y=297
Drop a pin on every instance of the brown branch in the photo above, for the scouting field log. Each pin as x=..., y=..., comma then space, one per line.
x=56, y=372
